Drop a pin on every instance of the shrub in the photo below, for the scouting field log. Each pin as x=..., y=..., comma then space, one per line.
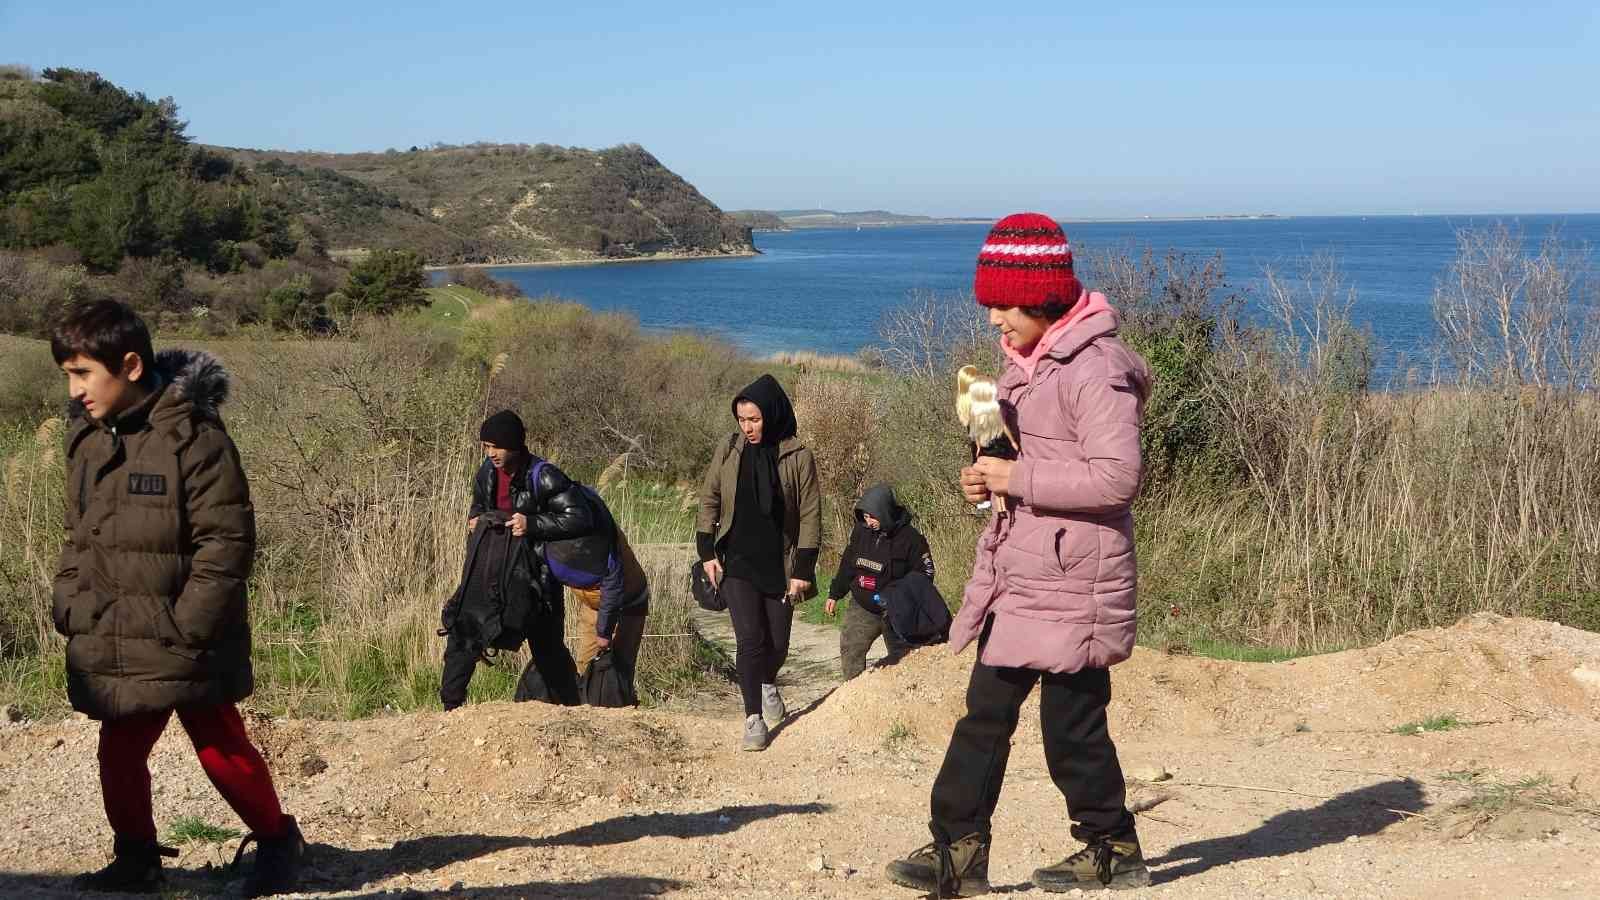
x=386, y=282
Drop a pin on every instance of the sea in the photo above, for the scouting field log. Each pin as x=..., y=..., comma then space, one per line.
x=828, y=290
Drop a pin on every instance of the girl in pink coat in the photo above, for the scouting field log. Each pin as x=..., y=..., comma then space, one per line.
x=1051, y=599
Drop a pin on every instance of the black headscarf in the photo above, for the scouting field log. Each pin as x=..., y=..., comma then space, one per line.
x=777, y=425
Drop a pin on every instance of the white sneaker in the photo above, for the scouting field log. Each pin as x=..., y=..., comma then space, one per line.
x=755, y=733
x=772, y=708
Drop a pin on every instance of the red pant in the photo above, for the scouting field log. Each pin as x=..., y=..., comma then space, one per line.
x=226, y=755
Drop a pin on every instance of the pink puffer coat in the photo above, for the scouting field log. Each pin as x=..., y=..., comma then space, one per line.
x=1057, y=572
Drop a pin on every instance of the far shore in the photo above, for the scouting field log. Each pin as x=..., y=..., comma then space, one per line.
x=653, y=257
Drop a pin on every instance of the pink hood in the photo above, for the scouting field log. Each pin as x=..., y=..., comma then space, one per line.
x=1088, y=304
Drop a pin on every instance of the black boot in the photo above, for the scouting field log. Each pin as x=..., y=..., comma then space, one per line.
x=136, y=869
x=958, y=869
x=278, y=860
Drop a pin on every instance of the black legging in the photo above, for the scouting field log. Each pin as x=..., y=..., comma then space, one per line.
x=761, y=625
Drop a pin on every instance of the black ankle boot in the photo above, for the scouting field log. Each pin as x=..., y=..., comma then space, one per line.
x=278, y=860
x=135, y=869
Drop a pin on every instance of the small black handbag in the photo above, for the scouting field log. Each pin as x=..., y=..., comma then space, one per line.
x=705, y=593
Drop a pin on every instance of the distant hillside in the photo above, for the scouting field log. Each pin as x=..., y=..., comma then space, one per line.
x=759, y=220
x=110, y=174
x=827, y=218
x=500, y=202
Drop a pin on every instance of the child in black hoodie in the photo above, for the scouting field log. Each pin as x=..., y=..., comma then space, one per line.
x=883, y=547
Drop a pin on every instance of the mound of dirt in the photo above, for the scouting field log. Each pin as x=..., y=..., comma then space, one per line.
x=1485, y=668
x=431, y=769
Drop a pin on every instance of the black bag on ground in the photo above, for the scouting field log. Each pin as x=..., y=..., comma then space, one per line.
x=531, y=686
x=915, y=610
x=607, y=683
x=706, y=594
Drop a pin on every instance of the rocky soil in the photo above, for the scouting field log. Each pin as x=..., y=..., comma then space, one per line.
x=1251, y=780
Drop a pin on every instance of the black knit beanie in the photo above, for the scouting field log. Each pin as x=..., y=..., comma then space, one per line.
x=504, y=430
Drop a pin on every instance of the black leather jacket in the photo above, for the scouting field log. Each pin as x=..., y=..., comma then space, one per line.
x=555, y=504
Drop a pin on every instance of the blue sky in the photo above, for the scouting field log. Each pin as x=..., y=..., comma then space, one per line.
x=948, y=109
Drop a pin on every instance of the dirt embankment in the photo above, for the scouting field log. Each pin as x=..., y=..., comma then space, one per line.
x=1279, y=780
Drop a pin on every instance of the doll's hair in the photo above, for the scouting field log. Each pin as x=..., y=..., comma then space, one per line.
x=965, y=376
x=985, y=422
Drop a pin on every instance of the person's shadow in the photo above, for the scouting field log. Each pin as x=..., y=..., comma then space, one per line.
x=622, y=829
x=337, y=869
x=1360, y=812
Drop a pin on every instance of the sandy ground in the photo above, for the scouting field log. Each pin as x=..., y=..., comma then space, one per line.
x=1253, y=780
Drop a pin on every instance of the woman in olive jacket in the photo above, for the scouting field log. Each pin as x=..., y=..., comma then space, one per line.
x=758, y=531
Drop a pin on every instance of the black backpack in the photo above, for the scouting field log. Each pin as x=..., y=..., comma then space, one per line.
x=915, y=611
x=498, y=581
x=607, y=682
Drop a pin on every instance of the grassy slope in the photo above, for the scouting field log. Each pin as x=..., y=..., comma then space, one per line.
x=504, y=203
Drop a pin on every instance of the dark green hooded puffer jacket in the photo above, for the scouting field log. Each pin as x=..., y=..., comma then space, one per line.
x=161, y=536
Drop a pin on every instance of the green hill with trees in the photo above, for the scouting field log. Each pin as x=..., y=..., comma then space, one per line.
x=484, y=203
x=102, y=193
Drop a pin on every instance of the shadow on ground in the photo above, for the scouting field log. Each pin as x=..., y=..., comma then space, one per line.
x=198, y=884
x=1358, y=813
x=337, y=869
x=622, y=829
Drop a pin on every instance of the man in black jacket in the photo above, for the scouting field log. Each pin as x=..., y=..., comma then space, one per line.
x=537, y=503
x=883, y=548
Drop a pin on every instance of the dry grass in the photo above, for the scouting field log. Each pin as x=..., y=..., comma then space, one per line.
x=360, y=456
x=1331, y=517
x=806, y=362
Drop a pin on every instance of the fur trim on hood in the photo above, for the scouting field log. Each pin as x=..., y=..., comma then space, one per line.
x=197, y=377
x=194, y=376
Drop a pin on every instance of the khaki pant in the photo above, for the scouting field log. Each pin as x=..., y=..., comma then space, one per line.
x=860, y=629
x=625, y=640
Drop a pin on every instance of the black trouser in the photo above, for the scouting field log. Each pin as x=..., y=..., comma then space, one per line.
x=861, y=628
x=761, y=625
x=1077, y=748
x=551, y=663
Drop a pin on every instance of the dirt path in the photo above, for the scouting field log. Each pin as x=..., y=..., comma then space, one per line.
x=1287, y=780
x=811, y=670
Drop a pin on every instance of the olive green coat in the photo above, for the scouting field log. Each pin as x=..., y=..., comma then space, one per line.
x=161, y=535
x=802, y=499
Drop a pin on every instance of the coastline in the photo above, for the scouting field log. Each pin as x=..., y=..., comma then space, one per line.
x=599, y=261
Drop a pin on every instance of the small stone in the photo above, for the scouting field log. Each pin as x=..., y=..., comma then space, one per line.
x=480, y=742
x=312, y=764
x=1353, y=839
x=818, y=864
x=1151, y=773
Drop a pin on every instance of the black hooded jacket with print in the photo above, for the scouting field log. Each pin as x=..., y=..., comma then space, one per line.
x=875, y=558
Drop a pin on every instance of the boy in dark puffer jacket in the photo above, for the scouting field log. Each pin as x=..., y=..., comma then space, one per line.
x=883, y=548
x=151, y=590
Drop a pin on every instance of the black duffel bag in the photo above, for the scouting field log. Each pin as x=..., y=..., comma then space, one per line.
x=607, y=683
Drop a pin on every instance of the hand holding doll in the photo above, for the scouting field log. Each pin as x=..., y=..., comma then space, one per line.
x=993, y=445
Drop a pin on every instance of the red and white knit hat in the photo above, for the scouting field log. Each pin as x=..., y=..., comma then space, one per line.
x=1026, y=261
